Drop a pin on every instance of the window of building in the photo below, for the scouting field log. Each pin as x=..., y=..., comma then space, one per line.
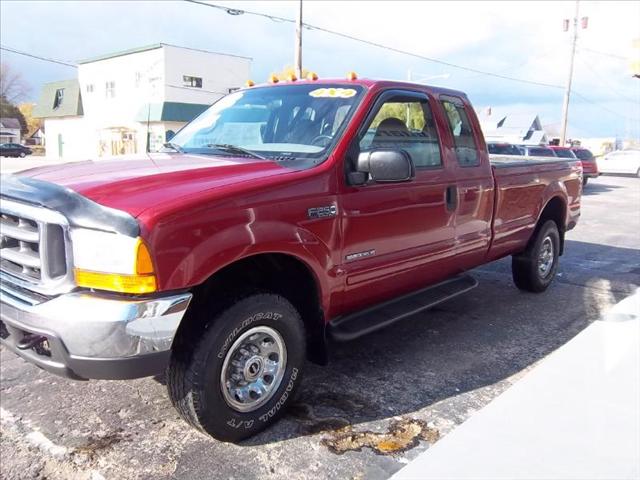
x=89, y=87
x=189, y=81
x=57, y=101
x=405, y=122
x=110, y=89
x=460, y=127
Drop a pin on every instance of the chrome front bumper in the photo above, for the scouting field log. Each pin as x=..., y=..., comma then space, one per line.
x=89, y=335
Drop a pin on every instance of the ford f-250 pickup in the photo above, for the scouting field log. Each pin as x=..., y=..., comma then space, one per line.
x=285, y=216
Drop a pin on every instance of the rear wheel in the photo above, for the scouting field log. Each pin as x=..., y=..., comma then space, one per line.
x=22, y=154
x=242, y=370
x=534, y=269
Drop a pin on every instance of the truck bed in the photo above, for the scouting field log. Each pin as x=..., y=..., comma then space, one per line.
x=522, y=186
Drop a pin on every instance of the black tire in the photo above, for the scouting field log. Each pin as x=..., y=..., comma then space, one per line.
x=585, y=180
x=22, y=154
x=526, y=267
x=194, y=373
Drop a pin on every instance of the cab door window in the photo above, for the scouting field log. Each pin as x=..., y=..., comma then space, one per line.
x=460, y=128
x=404, y=122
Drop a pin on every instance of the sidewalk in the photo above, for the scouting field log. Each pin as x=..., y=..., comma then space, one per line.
x=574, y=416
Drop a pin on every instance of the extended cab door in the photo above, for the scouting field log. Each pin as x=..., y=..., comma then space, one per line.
x=474, y=181
x=397, y=237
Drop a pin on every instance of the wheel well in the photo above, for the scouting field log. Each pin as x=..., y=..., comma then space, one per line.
x=555, y=210
x=277, y=273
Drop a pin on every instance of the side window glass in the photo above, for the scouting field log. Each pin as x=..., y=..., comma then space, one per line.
x=405, y=123
x=466, y=150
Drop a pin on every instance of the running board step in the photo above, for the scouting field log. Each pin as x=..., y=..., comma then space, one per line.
x=379, y=316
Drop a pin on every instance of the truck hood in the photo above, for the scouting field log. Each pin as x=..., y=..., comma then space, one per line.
x=134, y=184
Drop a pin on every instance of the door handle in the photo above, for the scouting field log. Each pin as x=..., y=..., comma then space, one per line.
x=451, y=198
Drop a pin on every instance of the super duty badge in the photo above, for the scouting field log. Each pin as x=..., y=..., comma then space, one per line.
x=322, y=212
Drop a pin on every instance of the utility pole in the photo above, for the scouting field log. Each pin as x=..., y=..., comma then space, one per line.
x=298, y=47
x=567, y=92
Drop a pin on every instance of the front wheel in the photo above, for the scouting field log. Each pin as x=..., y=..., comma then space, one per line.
x=22, y=154
x=243, y=370
x=534, y=269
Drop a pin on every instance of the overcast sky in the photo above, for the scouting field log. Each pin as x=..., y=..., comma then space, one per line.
x=518, y=39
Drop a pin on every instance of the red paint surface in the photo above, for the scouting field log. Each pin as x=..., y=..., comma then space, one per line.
x=201, y=213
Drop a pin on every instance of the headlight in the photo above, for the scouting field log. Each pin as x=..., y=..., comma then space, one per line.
x=109, y=261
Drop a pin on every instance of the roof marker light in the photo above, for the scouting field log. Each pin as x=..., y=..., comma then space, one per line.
x=249, y=83
x=312, y=76
x=292, y=77
x=273, y=78
x=352, y=76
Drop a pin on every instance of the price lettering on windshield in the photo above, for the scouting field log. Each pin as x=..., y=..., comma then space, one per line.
x=333, y=93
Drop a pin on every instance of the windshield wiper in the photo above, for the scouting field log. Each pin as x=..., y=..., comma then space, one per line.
x=235, y=149
x=173, y=146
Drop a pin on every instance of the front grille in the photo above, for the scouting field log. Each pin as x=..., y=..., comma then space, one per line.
x=20, y=246
x=34, y=247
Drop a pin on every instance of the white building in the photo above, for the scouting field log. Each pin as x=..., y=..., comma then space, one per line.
x=511, y=127
x=129, y=101
x=9, y=130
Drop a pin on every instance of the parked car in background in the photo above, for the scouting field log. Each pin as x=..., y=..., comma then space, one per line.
x=14, y=150
x=621, y=161
x=503, y=148
x=536, y=151
x=589, y=164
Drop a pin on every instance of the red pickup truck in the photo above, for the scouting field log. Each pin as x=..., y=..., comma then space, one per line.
x=284, y=216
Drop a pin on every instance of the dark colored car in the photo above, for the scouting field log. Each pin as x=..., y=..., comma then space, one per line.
x=536, y=151
x=589, y=164
x=14, y=150
x=502, y=148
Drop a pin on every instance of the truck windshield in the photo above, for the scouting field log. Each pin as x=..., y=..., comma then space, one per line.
x=281, y=122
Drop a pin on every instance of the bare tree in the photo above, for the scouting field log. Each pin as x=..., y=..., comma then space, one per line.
x=13, y=87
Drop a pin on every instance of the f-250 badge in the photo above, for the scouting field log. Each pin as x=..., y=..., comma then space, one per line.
x=322, y=212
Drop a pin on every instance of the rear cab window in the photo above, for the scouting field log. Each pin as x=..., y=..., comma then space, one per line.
x=564, y=153
x=541, y=152
x=460, y=127
x=584, y=154
x=503, y=149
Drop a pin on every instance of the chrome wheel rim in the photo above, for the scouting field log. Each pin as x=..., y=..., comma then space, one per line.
x=545, y=257
x=253, y=369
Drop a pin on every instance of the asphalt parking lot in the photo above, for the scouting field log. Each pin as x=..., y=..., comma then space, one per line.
x=381, y=400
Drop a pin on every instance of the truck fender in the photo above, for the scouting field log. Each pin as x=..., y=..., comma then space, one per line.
x=238, y=242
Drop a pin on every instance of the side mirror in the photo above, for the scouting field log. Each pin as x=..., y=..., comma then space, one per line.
x=386, y=165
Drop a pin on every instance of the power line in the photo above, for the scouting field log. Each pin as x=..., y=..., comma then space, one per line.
x=37, y=57
x=606, y=54
x=607, y=84
x=375, y=44
x=605, y=108
x=237, y=12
